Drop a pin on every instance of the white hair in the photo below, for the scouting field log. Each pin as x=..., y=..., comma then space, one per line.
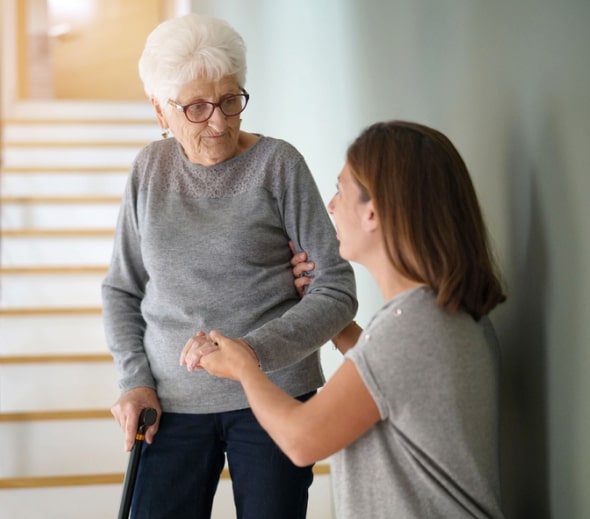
x=188, y=47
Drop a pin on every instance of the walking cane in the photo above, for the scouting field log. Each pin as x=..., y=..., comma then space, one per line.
x=146, y=418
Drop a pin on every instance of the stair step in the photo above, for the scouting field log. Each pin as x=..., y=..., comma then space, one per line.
x=73, y=480
x=53, y=111
x=19, y=335
x=47, y=249
x=62, y=481
x=58, y=269
x=66, y=169
x=83, y=155
x=320, y=469
x=35, y=416
x=99, y=133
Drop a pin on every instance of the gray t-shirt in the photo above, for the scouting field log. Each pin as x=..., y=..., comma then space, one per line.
x=434, y=453
x=201, y=248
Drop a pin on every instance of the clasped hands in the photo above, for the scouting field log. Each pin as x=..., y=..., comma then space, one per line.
x=219, y=355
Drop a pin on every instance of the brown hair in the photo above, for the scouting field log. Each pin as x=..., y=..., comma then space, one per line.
x=431, y=221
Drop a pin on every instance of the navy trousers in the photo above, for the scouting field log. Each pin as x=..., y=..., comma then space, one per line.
x=178, y=474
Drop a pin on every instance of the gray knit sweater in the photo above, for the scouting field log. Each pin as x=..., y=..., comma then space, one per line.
x=434, y=453
x=201, y=248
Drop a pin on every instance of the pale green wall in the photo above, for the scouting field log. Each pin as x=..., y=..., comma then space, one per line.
x=509, y=82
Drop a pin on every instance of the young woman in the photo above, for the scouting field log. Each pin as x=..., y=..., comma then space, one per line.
x=411, y=416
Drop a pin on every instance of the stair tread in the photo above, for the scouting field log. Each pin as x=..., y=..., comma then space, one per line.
x=55, y=310
x=62, y=481
x=71, y=414
x=57, y=358
x=37, y=166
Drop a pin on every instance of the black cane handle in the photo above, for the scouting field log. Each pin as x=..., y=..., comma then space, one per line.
x=146, y=418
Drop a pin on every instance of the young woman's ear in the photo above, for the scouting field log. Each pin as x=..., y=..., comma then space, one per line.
x=370, y=221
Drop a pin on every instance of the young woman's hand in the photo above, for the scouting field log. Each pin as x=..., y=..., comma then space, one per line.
x=227, y=358
x=301, y=269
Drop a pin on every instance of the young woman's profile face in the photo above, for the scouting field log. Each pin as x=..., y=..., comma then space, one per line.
x=347, y=211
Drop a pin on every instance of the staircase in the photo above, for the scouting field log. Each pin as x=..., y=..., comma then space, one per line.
x=61, y=183
x=61, y=180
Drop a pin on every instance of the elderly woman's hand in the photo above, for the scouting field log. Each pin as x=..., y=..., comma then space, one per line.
x=228, y=358
x=193, y=350
x=200, y=345
x=128, y=408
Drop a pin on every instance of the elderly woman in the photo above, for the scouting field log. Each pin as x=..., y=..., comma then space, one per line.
x=411, y=416
x=202, y=242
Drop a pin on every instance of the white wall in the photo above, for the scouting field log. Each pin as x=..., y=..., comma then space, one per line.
x=509, y=83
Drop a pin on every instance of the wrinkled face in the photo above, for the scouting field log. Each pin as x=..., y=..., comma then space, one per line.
x=209, y=142
x=350, y=216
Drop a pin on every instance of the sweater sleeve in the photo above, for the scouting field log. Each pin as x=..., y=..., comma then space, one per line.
x=122, y=293
x=330, y=301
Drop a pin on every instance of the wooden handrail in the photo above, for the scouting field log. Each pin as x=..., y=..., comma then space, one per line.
x=320, y=469
x=55, y=269
x=55, y=233
x=60, y=199
x=37, y=311
x=56, y=358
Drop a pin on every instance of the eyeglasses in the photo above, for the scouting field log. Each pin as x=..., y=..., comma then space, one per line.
x=202, y=111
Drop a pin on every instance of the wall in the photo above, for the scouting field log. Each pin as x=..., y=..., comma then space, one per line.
x=509, y=83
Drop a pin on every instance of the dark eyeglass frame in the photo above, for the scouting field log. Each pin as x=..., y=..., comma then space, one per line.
x=213, y=106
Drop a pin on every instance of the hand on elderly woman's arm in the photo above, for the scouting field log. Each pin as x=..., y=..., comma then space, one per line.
x=348, y=336
x=300, y=267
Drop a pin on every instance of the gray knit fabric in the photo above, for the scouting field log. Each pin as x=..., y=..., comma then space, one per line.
x=434, y=454
x=201, y=248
